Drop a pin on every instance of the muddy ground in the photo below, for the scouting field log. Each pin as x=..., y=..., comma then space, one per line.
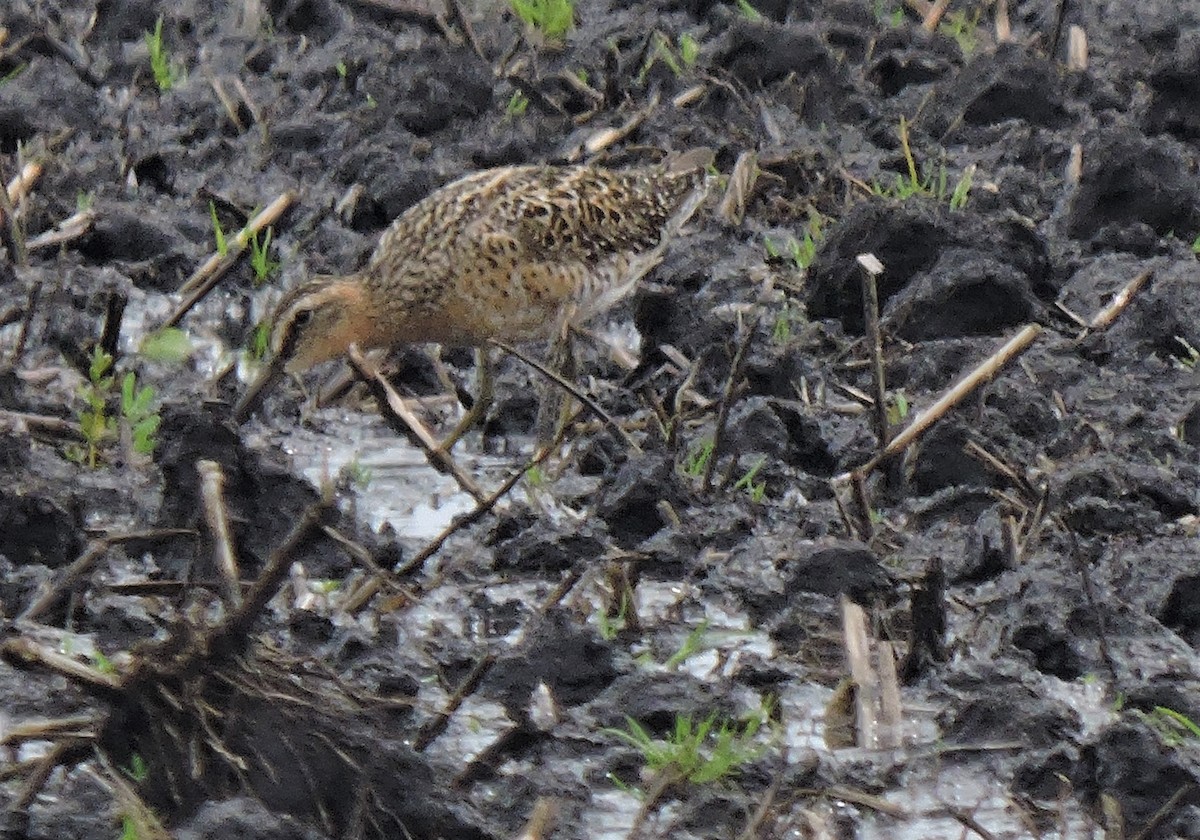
x=1049, y=520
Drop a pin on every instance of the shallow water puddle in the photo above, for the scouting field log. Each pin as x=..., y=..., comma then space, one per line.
x=390, y=483
x=390, y=479
x=933, y=794
x=475, y=726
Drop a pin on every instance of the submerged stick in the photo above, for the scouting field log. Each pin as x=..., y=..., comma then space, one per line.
x=392, y=406
x=369, y=588
x=436, y=725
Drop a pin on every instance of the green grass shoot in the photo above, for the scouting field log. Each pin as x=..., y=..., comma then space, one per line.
x=260, y=340
x=747, y=11
x=693, y=643
x=609, y=626
x=218, y=231
x=963, y=28
x=166, y=73
x=781, y=330
x=757, y=490
x=260, y=257
x=925, y=184
x=552, y=18
x=517, y=104
x=702, y=751
x=689, y=50
x=697, y=458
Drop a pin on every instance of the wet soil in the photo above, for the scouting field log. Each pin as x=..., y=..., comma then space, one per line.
x=1032, y=558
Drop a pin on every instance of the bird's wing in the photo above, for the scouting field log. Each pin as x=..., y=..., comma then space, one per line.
x=593, y=214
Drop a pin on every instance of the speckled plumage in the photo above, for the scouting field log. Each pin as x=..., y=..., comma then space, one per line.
x=505, y=254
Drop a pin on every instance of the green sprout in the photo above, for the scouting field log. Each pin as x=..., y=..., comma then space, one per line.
x=756, y=489
x=13, y=73
x=358, y=474
x=803, y=251
x=218, y=231
x=771, y=248
x=897, y=408
x=958, y=199
x=517, y=103
x=95, y=424
x=1173, y=727
x=610, y=626
x=700, y=752
x=664, y=52
x=747, y=11
x=166, y=73
x=697, y=459
x=552, y=18
x=887, y=14
x=781, y=331
x=927, y=184
x=260, y=340
x=137, y=770
x=169, y=345
x=964, y=29
x=84, y=201
x=693, y=643
x=1191, y=357
x=341, y=68
x=1185, y=723
x=138, y=412
x=689, y=50
x=102, y=663
x=260, y=258
x=1196, y=245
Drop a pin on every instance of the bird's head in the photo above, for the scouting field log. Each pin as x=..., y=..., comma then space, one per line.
x=315, y=322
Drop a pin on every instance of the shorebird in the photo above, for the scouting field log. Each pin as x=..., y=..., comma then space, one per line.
x=511, y=254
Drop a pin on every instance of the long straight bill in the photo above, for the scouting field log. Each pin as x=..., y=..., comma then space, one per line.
x=258, y=388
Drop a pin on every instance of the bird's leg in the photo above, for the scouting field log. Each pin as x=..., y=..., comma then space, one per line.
x=440, y=371
x=556, y=405
x=483, y=400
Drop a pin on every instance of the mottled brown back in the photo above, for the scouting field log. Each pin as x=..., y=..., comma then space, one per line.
x=502, y=253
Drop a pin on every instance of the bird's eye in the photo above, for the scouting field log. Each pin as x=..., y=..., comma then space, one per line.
x=290, y=330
